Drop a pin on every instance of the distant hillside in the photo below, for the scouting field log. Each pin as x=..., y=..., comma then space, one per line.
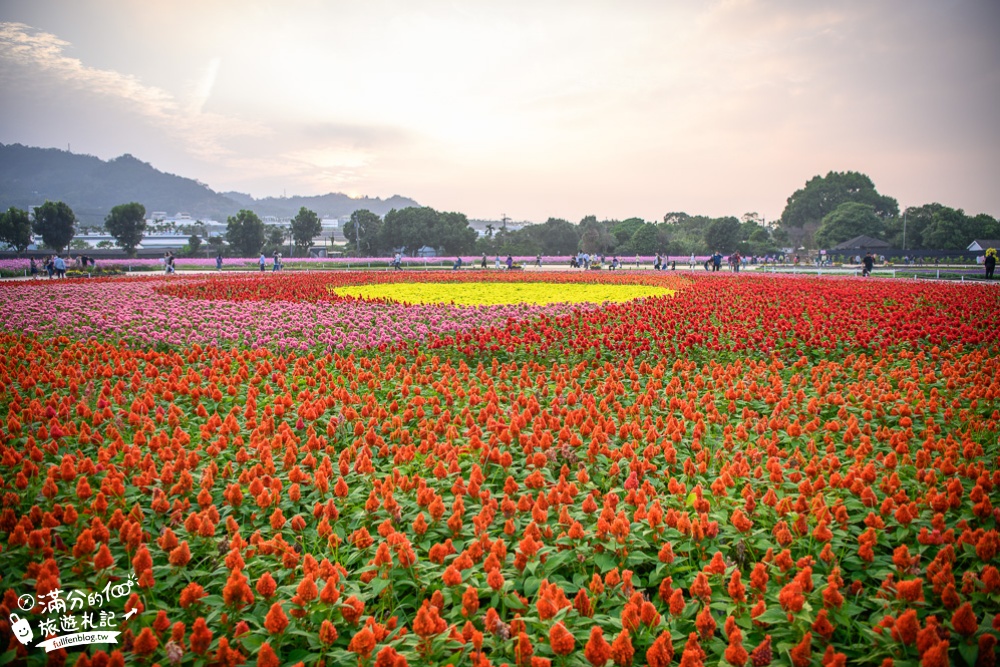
x=91, y=187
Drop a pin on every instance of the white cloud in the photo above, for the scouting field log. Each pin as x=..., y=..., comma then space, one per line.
x=27, y=54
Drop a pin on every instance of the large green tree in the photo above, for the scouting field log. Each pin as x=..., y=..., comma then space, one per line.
x=127, y=223
x=55, y=223
x=245, y=233
x=847, y=221
x=557, y=236
x=363, y=230
x=624, y=230
x=646, y=240
x=15, y=228
x=595, y=237
x=306, y=226
x=723, y=235
x=821, y=195
x=453, y=235
x=415, y=227
x=948, y=229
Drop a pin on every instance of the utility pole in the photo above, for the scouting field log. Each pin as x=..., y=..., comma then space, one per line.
x=904, y=229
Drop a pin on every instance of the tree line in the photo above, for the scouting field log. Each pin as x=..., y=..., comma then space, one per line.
x=825, y=212
x=840, y=206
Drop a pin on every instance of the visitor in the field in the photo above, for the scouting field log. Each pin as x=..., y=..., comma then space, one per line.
x=262, y=261
x=218, y=262
x=484, y=260
x=277, y=262
x=59, y=265
x=510, y=262
x=457, y=265
x=869, y=264
x=990, y=262
x=34, y=269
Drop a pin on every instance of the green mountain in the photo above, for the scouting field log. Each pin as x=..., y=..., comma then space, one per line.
x=91, y=187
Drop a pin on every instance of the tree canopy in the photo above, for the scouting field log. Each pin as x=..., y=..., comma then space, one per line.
x=723, y=235
x=847, y=221
x=822, y=194
x=415, y=227
x=15, y=228
x=306, y=225
x=363, y=230
x=245, y=233
x=55, y=223
x=127, y=223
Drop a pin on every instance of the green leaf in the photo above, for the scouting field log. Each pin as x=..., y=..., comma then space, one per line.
x=969, y=652
x=773, y=615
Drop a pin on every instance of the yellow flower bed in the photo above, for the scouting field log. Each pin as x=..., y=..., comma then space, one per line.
x=493, y=294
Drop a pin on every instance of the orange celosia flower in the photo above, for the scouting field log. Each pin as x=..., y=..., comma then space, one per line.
x=201, y=636
x=428, y=623
x=362, y=643
x=276, y=621
x=560, y=639
x=705, y=623
x=266, y=585
x=327, y=632
x=597, y=651
x=790, y=598
x=266, y=657
x=661, y=653
x=801, y=653
x=470, y=602
x=622, y=650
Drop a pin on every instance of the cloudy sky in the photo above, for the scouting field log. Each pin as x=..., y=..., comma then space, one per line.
x=532, y=108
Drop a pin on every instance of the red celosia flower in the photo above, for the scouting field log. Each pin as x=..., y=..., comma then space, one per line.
x=762, y=654
x=936, y=655
x=145, y=643
x=906, y=627
x=964, y=621
x=801, y=653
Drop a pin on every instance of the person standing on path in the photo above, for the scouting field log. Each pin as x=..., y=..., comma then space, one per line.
x=218, y=262
x=59, y=265
x=34, y=269
x=262, y=262
x=869, y=264
x=990, y=262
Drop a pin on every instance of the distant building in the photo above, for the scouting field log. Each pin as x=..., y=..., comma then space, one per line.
x=981, y=245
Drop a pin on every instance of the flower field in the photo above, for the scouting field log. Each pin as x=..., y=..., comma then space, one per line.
x=267, y=470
